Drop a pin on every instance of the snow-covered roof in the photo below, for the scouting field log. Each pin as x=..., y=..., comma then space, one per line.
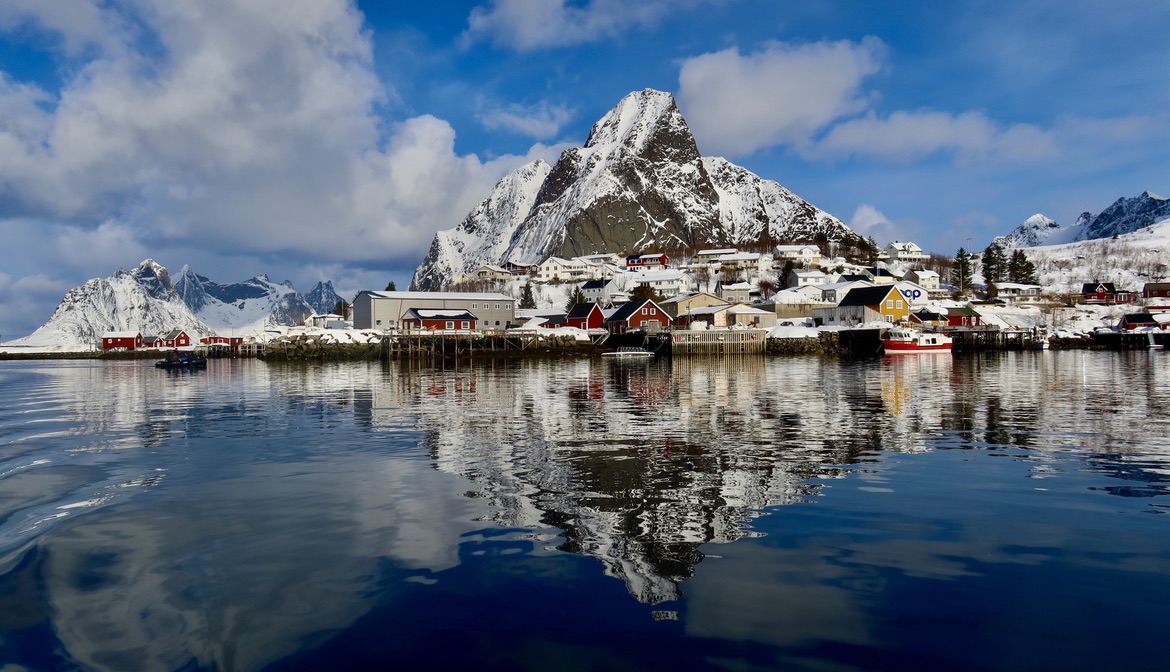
x=440, y=314
x=120, y=334
x=467, y=296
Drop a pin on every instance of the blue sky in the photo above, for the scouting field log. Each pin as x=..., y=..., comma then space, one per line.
x=323, y=139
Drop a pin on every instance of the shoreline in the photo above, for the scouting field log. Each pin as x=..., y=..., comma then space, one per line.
x=775, y=347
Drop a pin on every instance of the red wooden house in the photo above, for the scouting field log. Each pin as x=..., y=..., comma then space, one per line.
x=229, y=341
x=643, y=314
x=437, y=319
x=121, y=339
x=1104, y=293
x=585, y=316
x=639, y=262
x=1137, y=321
x=175, y=338
x=963, y=317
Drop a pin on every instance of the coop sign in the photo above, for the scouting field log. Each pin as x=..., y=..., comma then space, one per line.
x=913, y=294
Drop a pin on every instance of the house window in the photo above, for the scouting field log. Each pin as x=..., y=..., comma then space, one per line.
x=889, y=303
x=464, y=325
x=899, y=304
x=378, y=322
x=450, y=324
x=475, y=306
x=889, y=318
x=644, y=312
x=497, y=306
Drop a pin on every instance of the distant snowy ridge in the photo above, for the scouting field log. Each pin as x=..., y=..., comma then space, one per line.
x=145, y=300
x=1126, y=215
x=637, y=183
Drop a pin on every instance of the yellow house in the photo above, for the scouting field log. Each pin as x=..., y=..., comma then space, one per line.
x=883, y=303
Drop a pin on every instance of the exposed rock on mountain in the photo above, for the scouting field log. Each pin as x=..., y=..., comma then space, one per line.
x=322, y=298
x=638, y=183
x=1126, y=215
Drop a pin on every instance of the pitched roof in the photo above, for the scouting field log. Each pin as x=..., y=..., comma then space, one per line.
x=868, y=296
x=582, y=310
x=440, y=314
x=628, y=310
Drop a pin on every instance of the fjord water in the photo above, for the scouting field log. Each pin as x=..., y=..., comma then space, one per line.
x=996, y=512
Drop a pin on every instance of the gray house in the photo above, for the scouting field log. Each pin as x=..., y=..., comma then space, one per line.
x=385, y=310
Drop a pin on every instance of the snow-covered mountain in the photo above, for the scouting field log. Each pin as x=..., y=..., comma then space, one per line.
x=1035, y=230
x=143, y=299
x=146, y=300
x=638, y=183
x=1126, y=215
x=250, y=305
x=322, y=297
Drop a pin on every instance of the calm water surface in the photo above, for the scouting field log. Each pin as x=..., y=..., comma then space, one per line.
x=957, y=512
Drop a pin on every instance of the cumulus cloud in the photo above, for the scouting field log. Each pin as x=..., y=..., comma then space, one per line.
x=783, y=94
x=227, y=129
x=541, y=121
x=527, y=25
x=907, y=136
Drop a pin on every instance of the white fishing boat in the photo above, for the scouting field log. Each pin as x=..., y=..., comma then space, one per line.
x=902, y=340
x=628, y=353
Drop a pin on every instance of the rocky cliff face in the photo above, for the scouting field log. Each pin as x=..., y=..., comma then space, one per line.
x=638, y=183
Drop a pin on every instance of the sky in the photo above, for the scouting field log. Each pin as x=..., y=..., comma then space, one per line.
x=330, y=139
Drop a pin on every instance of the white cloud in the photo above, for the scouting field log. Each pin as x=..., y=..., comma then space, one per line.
x=542, y=121
x=75, y=24
x=224, y=130
x=907, y=136
x=865, y=218
x=526, y=25
x=784, y=94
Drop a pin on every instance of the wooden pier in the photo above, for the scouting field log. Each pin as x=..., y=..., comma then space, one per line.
x=718, y=342
x=429, y=345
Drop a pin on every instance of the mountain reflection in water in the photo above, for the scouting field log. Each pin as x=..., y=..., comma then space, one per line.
x=255, y=515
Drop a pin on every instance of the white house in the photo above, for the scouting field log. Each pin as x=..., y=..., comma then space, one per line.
x=809, y=255
x=749, y=262
x=737, y=292
x=1015, y=292
x=928, y=279
x=834, y=292
x=665, y=283
x=905, y=253
x=709, y=256
x=806, y=278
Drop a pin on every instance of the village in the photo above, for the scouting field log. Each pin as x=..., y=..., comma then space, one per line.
x=793, y=292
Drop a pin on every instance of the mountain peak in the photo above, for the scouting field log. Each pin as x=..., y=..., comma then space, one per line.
x=639, y=182
x=634, y=121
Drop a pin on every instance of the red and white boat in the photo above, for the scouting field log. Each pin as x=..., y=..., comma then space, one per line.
x=900, y=340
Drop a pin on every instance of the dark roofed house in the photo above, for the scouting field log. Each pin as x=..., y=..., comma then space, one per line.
x=928, y=318
x=585, y=316
x=643, y=314
x=1103, y=293
x=1137, y=321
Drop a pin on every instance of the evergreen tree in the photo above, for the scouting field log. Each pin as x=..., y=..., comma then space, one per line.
x=1021, y=269
x=961, y=271
x=527, y=301
x=574, y=298
x=390, y=287
x=994, y=264
x=340, y=308
x=643, y=292
x=994, y=268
